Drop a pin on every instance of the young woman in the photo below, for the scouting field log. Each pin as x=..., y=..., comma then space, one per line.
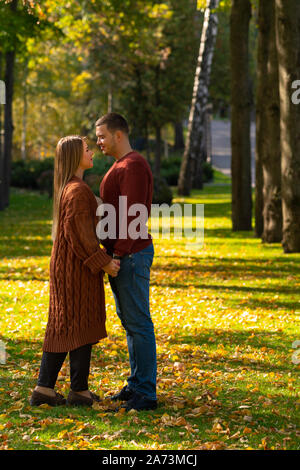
x=76, y=318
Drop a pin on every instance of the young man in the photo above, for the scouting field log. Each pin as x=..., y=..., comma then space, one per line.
x=130, y=177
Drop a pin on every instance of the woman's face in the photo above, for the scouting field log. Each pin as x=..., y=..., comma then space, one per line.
x=86, y=161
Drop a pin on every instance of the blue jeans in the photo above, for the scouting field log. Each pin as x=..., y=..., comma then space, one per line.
x=131, y=292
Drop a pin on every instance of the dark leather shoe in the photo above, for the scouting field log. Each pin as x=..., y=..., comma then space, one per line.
x=124, y=395
x=76, y=399
x=139, y=402
x=38, y=398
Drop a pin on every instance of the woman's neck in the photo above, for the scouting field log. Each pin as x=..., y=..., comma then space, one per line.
x=79, y=173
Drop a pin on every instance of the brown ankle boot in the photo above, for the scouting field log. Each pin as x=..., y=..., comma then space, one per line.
x=38, y=398
x=77, y=399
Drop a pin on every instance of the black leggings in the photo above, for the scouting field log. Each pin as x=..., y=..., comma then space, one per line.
x=51, y=364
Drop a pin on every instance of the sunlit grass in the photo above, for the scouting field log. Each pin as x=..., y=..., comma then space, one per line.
x=225, y=317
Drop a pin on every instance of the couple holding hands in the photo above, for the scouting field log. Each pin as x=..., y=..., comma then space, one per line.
x=77, y=316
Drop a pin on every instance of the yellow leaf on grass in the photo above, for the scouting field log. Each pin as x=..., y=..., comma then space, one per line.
x=247, y=431
x=180, y=422
x=45, y=406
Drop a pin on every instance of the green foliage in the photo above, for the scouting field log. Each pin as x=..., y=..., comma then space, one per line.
x=45, y=182
x=25, y=174
x=20, y=24
x=38, y=174
x=101, y=164
x=93, y=176
x=162, y=193
x=170, y=168
x=208, y=172
x=138, y=51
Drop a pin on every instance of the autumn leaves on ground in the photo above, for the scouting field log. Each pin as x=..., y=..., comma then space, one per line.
x=225, y=318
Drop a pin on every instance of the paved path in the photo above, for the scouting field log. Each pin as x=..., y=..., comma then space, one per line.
x=221, y=147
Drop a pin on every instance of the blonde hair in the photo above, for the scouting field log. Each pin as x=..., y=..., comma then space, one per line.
x=69, y=151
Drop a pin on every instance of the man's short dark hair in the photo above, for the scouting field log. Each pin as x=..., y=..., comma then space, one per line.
x=114, y=122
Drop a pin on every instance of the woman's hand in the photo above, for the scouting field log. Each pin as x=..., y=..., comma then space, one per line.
x=112, y=268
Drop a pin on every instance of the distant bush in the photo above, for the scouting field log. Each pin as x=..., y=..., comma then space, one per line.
x=45, y=182
x=38, y=174
x=93, y=176
x=208, y=172
x=162, y=192
x=170, y=169
x=94, y=181
x=101, y=165
x=25, y=174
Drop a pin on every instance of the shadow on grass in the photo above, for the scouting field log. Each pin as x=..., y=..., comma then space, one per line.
x=23, y=274
x=228, y=405
x=272, y=340
x=273, y=267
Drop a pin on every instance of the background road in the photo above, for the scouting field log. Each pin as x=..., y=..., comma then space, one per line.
x=221, y=147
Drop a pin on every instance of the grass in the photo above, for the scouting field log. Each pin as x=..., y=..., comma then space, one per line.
x=225, y=319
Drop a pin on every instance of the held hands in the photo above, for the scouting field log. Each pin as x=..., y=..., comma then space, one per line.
x=112, y=268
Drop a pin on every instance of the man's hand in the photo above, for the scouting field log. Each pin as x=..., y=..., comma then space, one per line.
x=112, y=268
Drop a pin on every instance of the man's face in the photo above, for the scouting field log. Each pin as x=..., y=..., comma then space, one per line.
x=106, y=140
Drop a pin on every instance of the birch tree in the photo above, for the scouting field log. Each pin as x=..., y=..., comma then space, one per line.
x=191, y=162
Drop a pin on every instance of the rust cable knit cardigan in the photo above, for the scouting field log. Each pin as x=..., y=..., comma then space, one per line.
x=77, y=303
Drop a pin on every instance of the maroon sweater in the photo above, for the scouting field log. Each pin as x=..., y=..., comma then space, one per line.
x=130, y=176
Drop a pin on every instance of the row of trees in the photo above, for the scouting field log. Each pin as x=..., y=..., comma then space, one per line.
x=72, y=61
x=278, y=127
x=17, y=26
x=277, y=185
x=278, y=124
x=76, y=60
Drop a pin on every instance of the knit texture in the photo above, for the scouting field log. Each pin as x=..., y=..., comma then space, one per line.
x=77, y=299
x=129, y=176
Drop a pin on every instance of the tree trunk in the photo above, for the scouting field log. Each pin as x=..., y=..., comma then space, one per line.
x=109, y=95
x=271, y=154
x=158, y=146
x=288, y=46
x=8, y=121
x=192, y=153
x=1, y=142
x=259, y=200
x=24, y=126
x=240, y=116
x=262, y=57
x=8, y=127
x=178, y=136
x=158, y=139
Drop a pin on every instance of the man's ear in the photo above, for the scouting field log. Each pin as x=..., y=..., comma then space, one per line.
x=118, y=135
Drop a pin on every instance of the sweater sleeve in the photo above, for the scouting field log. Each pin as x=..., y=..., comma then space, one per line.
x=134, y=184
x=80, y=232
